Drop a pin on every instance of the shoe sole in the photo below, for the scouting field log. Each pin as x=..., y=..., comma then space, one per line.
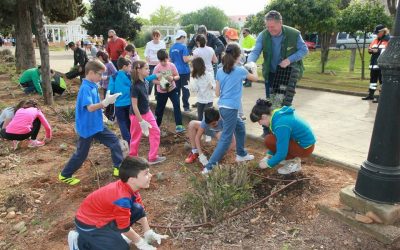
x=156, y=162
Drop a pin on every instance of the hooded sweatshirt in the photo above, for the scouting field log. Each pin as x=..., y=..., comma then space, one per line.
x=286, y=126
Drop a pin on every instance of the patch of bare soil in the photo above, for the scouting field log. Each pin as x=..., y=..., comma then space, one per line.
x=30, y=193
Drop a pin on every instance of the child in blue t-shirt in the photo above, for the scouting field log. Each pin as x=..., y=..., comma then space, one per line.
x=121, y=83
x=229, y=90
x=89, y=123
x=179, y=55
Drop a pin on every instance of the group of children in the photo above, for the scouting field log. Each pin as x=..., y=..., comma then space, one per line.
x=105, y=217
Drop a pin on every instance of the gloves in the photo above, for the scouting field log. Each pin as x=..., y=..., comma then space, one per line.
x=110, y=99
x=145, y=126
x=251, y=66
x=203, y=159
x=151, y=236
x=143, y=245
x=263, y=164
x=164, y=83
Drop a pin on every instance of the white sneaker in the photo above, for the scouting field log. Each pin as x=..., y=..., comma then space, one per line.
x=291, y=166
x=247, y=157
x=205, y=171
x=73, y=240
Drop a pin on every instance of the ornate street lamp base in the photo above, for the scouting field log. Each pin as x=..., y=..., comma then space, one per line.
x=376, y=186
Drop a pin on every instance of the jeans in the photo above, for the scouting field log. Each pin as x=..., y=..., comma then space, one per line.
x=183, y=81
x=200, y=109
x=162, y=99
x=105, y=137
x=20, y=137
x=232, y=124
x=136, y=132
x=29, y=87
x=268, y=85
x=151, y=84
x=124, y=123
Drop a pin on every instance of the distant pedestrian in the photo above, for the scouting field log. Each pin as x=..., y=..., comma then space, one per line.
x=150, y=53
x=115, y=46
x=205, y=52
x=80, y=59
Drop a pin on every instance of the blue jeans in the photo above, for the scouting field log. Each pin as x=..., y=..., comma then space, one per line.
x=183, y=81
x=232, y=124
x=162, y=99
x=28, y=87
x=124, y=123
x=105, y=137
x=151, y=84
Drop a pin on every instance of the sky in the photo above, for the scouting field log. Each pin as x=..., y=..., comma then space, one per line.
x=230, y=7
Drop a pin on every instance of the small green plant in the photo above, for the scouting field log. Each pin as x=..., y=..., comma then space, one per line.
x=226, y=188
x=68, y=114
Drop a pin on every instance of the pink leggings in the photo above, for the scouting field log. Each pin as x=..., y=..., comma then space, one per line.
x=136, y=135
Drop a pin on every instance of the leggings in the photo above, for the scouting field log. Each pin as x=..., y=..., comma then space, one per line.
x=20, y=137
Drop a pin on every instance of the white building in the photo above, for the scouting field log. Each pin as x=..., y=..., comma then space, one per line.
x=65, y=32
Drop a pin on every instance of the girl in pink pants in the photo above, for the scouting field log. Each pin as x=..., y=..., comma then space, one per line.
x=142, y=119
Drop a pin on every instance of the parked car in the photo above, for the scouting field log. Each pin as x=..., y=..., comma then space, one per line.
x=311, y=40
x=346, y=41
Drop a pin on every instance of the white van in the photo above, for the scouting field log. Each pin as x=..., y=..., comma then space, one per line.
x=346, y=41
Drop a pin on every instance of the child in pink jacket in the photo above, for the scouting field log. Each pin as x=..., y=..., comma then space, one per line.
x=26, y=124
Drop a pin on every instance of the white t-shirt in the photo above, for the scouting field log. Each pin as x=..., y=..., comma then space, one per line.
x=6, y=114
x=151, y=51
x=207, y=54
x=204, y=86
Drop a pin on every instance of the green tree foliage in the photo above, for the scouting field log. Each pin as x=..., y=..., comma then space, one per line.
x=63, y=10
x=255, y=22
x=165, y=15
x=212, y=17
x=116, y=15
x=360, y=18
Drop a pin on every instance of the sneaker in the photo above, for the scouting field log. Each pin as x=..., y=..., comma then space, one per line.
x=179, y=129
x=35, y=143
x=192, y=157
x=187, y=110
x=71, y=181
x=368, y=97
x=205, y=171
x=247, y=157
x=73, y=240
x=291, y=166
x=15, y=144
x=159, y=159
x=116, y=172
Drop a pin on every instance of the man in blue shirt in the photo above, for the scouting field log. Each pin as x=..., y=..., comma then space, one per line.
x=89, y=123
x=179, y=56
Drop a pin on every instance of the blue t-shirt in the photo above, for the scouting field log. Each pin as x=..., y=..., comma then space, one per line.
x=210, y=131
x=121, y=83
x=231, y=87
x=88, y=123
x=176, y=53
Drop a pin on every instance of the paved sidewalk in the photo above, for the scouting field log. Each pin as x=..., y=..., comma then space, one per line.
x=342, y=123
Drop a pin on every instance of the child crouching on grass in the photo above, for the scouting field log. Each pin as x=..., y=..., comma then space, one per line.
x=89, y=123
x=105, y=217
x=212, y=126
x=142, y=119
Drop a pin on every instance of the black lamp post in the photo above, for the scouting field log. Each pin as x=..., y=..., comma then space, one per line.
x=379, y=177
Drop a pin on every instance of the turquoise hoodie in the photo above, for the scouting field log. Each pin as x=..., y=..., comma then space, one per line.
x=286, y=126
x=121, y=83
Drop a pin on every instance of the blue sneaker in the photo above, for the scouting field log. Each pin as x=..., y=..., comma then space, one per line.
x=179, y=129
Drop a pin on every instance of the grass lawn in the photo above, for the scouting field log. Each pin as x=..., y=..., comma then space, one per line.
x=336, y=76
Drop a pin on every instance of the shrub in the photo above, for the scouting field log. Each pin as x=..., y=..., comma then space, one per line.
x=227, y=187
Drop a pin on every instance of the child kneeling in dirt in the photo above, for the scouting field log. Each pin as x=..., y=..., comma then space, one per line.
x=212, y=126
x=291, y=138
x=105, y=217
x=89, y=123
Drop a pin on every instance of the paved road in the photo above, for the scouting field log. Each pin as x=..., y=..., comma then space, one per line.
x=342, y=123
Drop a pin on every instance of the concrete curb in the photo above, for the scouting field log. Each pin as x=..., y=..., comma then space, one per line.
x=187, y=117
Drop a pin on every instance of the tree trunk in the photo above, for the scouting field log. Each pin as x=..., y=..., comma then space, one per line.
x=44, y=52
x=352, y=60
x=392, y=7
x=24, y=51
x=325, y=38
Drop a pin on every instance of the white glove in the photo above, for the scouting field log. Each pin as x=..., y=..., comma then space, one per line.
x=203, y=159
x=263, y=164
x=110, y=99
x=143, y=245
x=251, y=66
x=151, y=236
x=145, y=126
